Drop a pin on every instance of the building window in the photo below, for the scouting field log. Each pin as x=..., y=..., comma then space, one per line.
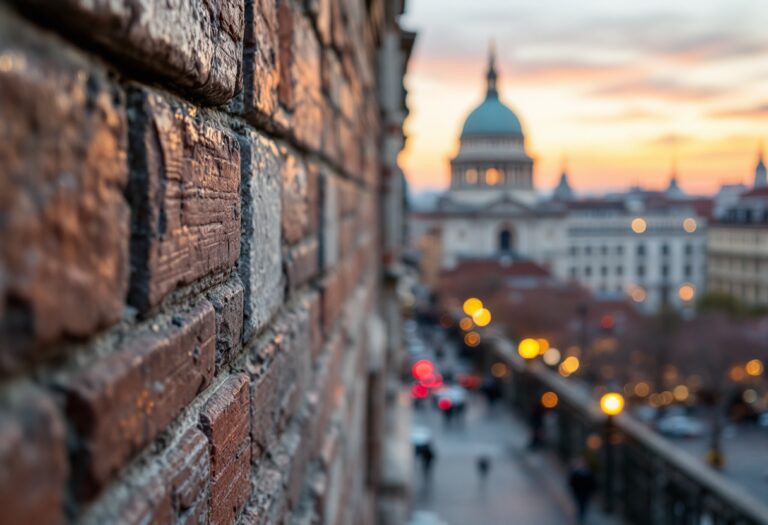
x=640, y=270
x=587, y=271
x=492, y=176
x=620, y=250
x=574, y=250
x=619, y=270
x=603, y=271
x=587, y=250
x=574, y=272
x=604, y=250
x=688, y=249
x=641, y=249
x=664, y=270
x=665, y=249
x=470, y=176
x=687, y=270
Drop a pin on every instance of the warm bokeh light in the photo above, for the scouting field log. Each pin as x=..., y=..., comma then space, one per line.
x=472, y=339
x=639, y=225
x=686, y=292
x=482, y=317
x=612, y=403
x=680, y=393
x=689, y=225
x=549, y=400
x=637, y=293
x=749, y=396
x=499, y=370
x=551, y=357
x=594, y=441
x=754, y=367
x=736, y=373
x=444, y=403
x=492, y=176
x=466, y=324
x=528, y=348
x=472, y=305
x=642, y=389
x=419, y=391
x=543, y=345
x=569, y=366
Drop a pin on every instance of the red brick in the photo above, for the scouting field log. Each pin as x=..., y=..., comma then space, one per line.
x=316, y=327
x=261, y=66
x=119, y=404
x=65, y=223
x=332, y=297
x=191, y=44
x=227, y=301
x=285, y=25
x=34, y=461
x=302, y=264
x=185, y=195
x=296, y=203
x=225, y=420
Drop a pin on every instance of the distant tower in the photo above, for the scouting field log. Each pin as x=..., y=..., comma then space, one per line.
x=563, y=191
x=760, y=173
x=673, y=191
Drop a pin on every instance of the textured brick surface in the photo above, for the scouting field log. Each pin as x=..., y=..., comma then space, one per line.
x=189, y=253
x=121, y=402
x=261, y=260
x=225, y=420
x=184, y=191
x=63, y=219
x=227, y=300
x=33, y=462
x=196, y=44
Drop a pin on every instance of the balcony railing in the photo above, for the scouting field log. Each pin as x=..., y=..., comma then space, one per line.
x=643, y=478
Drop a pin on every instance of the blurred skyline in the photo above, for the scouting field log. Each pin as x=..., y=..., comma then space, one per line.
x=620, y=89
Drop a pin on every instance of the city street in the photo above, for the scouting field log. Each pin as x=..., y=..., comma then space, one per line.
x=523, y=487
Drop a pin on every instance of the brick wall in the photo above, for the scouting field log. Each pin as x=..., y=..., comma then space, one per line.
x=193, y=275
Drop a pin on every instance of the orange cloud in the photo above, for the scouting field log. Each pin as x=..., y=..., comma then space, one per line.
x=757, y=111
x=660, y=88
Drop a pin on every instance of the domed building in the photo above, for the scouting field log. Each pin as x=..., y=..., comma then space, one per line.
x=492, y=159
x=491, y=208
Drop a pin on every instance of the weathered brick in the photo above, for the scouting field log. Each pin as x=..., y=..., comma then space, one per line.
x=332, y=298
x=261, y=259
x=296, y=199
x=33, y=461
x=279, y=385
x=120, y=403
x=225, y=420
x=195, y=45
x=302, y=264
x=227, y=300
x=261, y=67
x=186, y=475
x=63, y=219
x=306, y=122
x=185, y=197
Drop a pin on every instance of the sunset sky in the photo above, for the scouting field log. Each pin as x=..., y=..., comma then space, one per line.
x=618, y=87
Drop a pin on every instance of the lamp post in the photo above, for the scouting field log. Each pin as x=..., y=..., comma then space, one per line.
x=611, y=404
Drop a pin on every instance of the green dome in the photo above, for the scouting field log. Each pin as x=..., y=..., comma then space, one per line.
x=492, y=117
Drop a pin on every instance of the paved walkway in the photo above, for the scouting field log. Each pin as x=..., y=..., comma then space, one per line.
x=523, y=488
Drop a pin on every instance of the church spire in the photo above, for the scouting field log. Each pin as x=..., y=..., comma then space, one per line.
x=492, y=76
x=760, y=171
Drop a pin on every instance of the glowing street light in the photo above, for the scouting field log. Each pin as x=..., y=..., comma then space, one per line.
x=754, y=367
x=482, y=317
x=612, y=404
x=528, y=348
x=472, y=305
x=639, y=225
x=549, y=400
x=686, y=292
x=465, y=324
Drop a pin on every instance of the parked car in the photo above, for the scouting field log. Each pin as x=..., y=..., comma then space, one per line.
x=680, y=426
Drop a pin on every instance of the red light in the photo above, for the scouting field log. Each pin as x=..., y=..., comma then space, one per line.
x=419, y=391
x=607, y=322
x=433, y=381
x=469, y=381
x=422, y=369
x=444, y=404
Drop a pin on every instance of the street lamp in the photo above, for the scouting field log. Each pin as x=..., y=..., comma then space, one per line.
x=611, y=404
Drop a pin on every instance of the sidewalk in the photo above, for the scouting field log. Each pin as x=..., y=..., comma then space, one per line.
x=523, y=488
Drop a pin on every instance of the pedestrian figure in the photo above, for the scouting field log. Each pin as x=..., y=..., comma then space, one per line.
x=427, y=458
x=537, y=426
x=583, y=485
x=483, y=467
